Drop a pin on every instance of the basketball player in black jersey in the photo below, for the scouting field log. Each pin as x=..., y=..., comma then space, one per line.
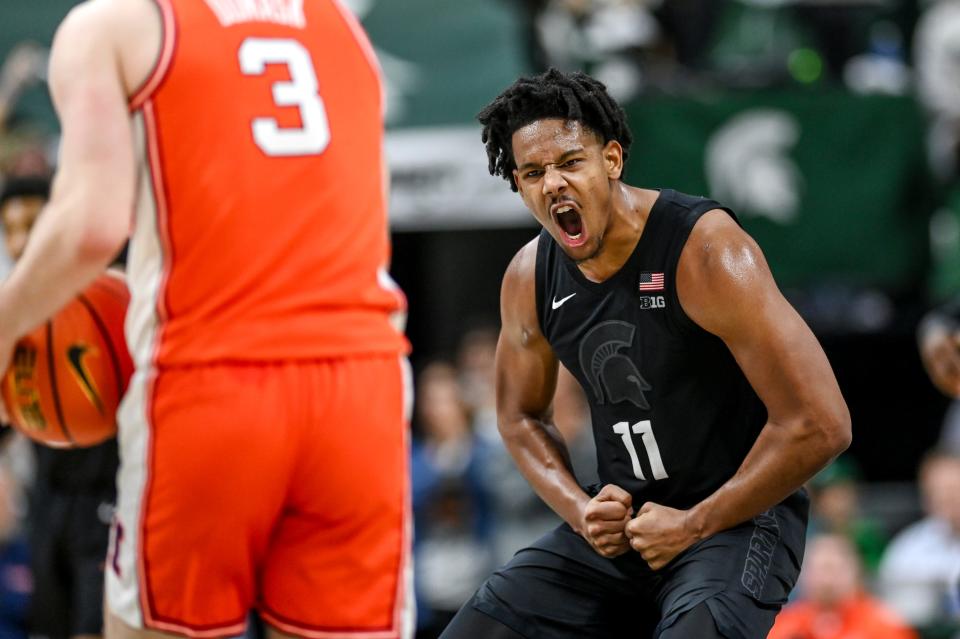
x=711, y=400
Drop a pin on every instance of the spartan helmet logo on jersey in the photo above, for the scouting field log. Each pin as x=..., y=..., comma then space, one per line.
x=612, y=375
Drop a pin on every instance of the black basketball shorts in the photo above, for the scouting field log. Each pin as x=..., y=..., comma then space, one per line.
x=559, y=587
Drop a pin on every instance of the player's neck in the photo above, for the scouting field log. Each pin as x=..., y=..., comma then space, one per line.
x=630, y=209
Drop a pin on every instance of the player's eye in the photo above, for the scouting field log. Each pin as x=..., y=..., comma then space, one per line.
x=532, y=175
x=569, y=164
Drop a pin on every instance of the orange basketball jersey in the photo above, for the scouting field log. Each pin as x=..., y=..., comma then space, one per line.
x=261, y=229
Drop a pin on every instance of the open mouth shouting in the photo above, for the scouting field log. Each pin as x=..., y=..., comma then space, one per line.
x=566, y=213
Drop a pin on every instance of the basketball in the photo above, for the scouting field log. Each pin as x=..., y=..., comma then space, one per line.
x=67, y=377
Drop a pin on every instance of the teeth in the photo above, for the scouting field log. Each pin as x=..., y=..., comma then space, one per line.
x=564, y=209
x=575, y=237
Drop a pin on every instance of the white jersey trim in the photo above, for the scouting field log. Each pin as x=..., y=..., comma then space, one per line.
x=145, y=260
x=162, y=65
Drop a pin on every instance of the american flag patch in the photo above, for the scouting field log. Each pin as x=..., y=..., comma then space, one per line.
x=651, y=281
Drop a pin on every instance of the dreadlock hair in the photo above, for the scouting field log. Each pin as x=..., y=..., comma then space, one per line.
x=554, y=94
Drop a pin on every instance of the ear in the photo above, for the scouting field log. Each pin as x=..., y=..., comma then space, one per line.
x=613, y=159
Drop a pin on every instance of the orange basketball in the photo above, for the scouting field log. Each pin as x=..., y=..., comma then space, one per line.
x=67, y=377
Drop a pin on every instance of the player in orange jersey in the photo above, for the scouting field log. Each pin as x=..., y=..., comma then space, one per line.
x=263, y=437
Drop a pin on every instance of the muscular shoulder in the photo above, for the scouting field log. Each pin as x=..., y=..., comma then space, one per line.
x=720, y=266
x=522, y=268
x=128, y=32
x=518, y=296
x=718, y=243
x=93, y=21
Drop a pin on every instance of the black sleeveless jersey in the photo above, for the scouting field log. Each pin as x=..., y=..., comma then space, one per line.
x=673, y=415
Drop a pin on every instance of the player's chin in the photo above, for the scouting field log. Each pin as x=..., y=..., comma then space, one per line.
x=582, y=253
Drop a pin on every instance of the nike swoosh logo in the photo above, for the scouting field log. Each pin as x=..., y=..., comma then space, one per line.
x=558, y=303
x=75, y=355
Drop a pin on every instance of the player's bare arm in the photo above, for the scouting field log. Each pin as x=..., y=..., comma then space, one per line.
x=88, y=216
x=526, y=372
x=87, y=219
x=725, y=286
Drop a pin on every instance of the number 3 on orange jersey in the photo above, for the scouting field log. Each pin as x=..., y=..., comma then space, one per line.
x=313, y=136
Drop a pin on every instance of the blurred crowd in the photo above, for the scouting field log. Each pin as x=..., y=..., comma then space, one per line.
x=472, y=507
x=882, y=561
x=25, y=169
x=641, y=47
x=876, y=570
x=669, y=45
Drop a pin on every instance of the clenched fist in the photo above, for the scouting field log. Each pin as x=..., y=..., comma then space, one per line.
x=604, y=520
x=659, y=534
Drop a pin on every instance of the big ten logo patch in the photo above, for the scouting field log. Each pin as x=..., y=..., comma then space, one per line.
x=652, y=301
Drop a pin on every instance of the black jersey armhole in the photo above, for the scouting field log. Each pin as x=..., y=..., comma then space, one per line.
x=540, y=278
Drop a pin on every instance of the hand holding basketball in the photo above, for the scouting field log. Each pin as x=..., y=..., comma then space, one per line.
x=604, y=520
x=64, y=381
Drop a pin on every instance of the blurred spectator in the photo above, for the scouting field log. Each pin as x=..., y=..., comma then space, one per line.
x=25, y=65
x=950, y=432
x=610, y=39
x=450, y=500
x=937, y=59
x=939, y=339
x=762, y=43
x=529, y=15
x=689, y=25
x=25, y=153
x=835, y=509
x=938, y=336
x=22, y=152
x=558, y=29
x=881, y=67
x=476, y=356
x=635, y=46
x=518, y=514
x=834, y=604
x=21, y=200
x=16, y=582
x=918, y=573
